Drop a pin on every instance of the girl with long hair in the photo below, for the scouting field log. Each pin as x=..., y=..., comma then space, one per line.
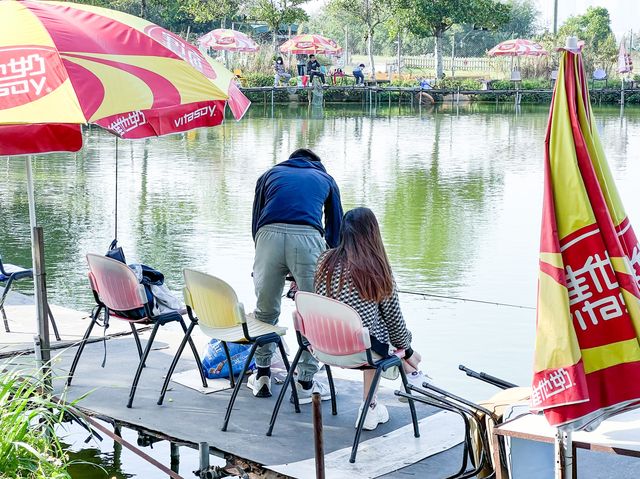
x=357, y=272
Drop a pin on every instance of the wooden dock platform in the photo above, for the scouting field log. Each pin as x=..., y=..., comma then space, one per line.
x=21, y=315
x=189, y=416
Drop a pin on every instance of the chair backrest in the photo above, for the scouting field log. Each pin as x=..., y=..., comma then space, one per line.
x=237, y=72
x=515, y=75
x=115, y=283
x=554, y=74
x=215, y=302
x=599, y=74
x=331, y=327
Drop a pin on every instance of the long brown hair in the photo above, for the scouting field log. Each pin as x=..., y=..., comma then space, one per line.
x=360, y=257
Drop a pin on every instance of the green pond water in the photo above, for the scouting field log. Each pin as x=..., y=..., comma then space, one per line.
x=457, y=191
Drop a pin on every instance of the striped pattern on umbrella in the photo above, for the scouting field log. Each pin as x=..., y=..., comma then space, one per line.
x=311, y=44
x=229, y=40
x=70, y=63
x=517, y=47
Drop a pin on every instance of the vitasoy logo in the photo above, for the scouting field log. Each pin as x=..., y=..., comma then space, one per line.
x=27, y=74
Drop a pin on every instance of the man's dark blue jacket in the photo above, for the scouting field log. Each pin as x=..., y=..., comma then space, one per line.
x=294, y=192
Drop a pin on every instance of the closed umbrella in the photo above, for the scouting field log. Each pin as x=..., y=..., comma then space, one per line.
x=310, y=44
x=625, y=64
x=587, y=350
x=228, y=40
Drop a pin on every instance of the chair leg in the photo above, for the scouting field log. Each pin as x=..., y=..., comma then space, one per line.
x=53, y=323
x=234, y=394
x=134, y=330
x=332, y=389
x=136, y=378
x=194, y=350
x=288, y=380
x=5, y=292
x=232, y=381
x=174, y=362
x=294, y=391
x=365, y=410
x=4, y=318
x=412, y=406
x=83, y=342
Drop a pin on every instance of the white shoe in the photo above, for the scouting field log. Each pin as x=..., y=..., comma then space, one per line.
x=416, y=379
x=304, y=395
x=377, y=414
x=261, y=387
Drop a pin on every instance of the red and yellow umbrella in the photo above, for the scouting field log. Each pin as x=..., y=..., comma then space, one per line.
x=310, y=44
x=587, y=351
x=66, y=63
x=229, y=40
x=517, y=47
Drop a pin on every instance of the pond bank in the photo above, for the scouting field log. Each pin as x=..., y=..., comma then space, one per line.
x=415, y=96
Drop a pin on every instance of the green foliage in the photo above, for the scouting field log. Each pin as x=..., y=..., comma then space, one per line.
x=28, y=445
x=434, y=17
x=278, y=12
x=594, y=27
x=206, y=11
x=428, y=18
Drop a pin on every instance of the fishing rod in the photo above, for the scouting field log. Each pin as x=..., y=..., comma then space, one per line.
x=469, y=300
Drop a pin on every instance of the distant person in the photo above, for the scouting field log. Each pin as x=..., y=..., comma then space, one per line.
x=281, y=73
x=357, y=273
x=358, y=72
x=289, y=236
x=302, y=61
x=314, y=70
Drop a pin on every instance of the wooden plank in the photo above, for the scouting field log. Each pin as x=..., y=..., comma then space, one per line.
x=381, y=455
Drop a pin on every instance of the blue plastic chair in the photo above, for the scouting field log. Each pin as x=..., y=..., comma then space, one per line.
x=8, y=274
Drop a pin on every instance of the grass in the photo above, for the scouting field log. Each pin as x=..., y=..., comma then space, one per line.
x=29, y=447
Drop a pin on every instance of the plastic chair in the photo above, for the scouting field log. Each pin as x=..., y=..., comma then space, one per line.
x=10, y=273
x=239, y=76
x=115, y=289
x=600, y=75
x=213, y=305
x=333, y=332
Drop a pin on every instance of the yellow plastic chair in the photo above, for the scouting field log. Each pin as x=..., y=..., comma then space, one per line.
x=238, y=73
x=213, y=305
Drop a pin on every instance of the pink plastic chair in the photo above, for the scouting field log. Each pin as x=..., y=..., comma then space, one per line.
x=333, y=332
x=116, y=289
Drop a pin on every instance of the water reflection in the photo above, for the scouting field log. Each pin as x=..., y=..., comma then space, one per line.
x=456, y=187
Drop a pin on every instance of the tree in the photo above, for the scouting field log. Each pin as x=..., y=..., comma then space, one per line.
x=594, y=27
x=276, y=13
x=371, y=13
x=432, y=18
x=206, y=11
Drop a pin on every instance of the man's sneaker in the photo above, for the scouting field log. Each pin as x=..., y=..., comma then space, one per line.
x=377, y=414
x=416, y=379
x=304, y=395
x=260, y=386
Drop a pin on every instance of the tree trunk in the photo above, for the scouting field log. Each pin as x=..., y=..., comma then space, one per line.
x=370, y=53
x=143, y=8
x=399, y=51
x=438, y=54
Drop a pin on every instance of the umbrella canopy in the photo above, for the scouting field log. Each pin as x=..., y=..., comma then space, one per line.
x=516, y=48
x=310, y=44
x=229, y=40
x=65, y=63
x=587, y=352
x=625, y=64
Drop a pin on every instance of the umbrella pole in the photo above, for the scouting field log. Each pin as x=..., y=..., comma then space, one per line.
x=564, y=455
x=41, y=339
x=115, y=221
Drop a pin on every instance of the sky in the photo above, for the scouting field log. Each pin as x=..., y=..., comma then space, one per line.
x=625, y=14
